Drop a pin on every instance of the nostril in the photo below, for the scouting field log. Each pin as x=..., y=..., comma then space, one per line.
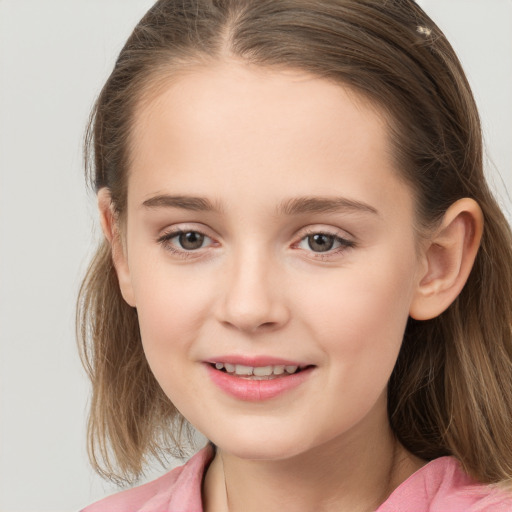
x=268, y=325
x=249, y=325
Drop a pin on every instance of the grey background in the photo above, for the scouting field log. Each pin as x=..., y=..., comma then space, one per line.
x=54, y=57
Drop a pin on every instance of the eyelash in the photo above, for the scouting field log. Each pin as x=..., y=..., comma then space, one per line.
x=166, y=241
x=166, y=238
x=344, y=243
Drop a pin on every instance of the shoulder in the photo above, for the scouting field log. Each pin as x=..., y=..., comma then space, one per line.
x=177, y=490
x=443, y=486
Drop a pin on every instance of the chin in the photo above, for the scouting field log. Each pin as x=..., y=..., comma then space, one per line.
x=259, y=446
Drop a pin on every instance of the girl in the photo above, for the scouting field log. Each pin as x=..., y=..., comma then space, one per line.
x=302, y=259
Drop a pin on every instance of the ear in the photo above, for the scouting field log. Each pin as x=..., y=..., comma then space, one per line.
x=110, y=227
x=449, y=257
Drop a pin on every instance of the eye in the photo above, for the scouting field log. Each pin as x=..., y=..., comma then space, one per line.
x=184, y=241
x=190, y=240
x=323, y=242
x=320, y=242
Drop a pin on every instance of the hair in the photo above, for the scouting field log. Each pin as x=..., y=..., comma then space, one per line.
x=450, y=392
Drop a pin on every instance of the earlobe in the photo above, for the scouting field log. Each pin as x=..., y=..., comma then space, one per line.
x=449, y=256
x=110, y=227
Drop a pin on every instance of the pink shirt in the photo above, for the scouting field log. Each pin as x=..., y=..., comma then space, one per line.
x=439, y=486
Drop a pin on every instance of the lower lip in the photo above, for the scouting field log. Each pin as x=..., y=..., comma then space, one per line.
x=256, y=390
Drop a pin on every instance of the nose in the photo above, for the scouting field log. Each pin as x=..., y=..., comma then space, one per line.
x=253, y=298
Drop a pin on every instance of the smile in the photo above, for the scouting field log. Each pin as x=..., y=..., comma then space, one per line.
x=257, y=372
x=257, y=383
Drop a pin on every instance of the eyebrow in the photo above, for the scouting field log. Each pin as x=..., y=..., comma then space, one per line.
x=294, y=206
x=197, y=204
x=301, y=205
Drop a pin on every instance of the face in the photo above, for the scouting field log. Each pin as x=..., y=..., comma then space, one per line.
x=270, y=253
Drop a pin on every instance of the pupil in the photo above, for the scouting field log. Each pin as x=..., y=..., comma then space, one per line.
x=191, y=240
x=320, y=243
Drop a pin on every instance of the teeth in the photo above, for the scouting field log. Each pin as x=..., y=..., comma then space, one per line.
x=258, y=371
x=279, y=370
x=243, y=370
x=262, y=371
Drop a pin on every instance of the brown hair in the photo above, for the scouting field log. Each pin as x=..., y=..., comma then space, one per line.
x=451, y=391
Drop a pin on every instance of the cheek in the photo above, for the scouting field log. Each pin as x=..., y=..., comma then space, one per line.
x=361, y=313
x=171, y=306
x=171, y=314
x=358, y=321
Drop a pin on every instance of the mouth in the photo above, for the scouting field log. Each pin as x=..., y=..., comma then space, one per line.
x=269, y=372
x=256, y=379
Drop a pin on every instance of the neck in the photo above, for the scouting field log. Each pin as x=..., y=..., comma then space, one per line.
x=353, y=473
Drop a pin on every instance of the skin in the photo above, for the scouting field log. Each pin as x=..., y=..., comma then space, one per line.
x=250, y=142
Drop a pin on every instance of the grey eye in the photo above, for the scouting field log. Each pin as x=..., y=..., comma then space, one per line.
x=191, y=240
x=320, y=242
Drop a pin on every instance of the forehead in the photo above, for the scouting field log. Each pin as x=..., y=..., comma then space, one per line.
x=249, y=95
x=233, y=124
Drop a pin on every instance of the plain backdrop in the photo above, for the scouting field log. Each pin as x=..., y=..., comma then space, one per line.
x=54, y=57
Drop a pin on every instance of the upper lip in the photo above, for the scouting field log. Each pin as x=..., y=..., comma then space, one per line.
x=255, y=361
